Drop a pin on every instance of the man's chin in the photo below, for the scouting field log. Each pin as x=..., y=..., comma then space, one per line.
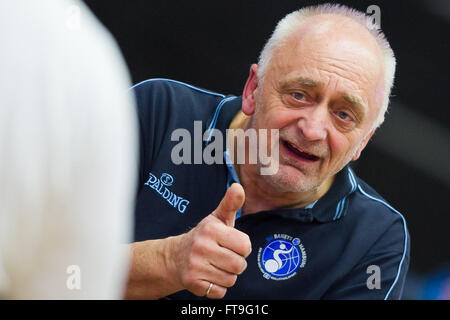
x=291, y=179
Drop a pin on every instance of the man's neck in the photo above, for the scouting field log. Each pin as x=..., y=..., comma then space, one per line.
x=259, y=194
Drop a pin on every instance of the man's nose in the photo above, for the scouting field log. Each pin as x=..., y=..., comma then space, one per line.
x=313, y=123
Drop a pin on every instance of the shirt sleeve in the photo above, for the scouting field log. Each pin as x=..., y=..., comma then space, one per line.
x=153, y=107
x=381, y=274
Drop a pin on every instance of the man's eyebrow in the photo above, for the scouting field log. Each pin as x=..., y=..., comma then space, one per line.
x=356, y=103
x=302, y=81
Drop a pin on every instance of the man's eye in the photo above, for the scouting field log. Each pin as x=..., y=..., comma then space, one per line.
x=298, y=96
x=343, y=115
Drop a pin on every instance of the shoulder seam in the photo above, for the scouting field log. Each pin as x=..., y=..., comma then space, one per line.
x=213, y=123
x=404, y=229
x=182, y=83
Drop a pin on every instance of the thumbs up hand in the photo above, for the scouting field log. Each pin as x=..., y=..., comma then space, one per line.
x=214, y=251
x=232, y=201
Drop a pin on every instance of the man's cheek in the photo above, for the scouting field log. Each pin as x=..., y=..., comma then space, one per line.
x=337, y=156
x=282, y=118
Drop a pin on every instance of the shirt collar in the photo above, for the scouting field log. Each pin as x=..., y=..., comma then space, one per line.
x=330, y=207
x=334, y=204
x=224, y=113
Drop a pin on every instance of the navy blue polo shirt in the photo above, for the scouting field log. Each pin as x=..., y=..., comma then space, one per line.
x=350, y=244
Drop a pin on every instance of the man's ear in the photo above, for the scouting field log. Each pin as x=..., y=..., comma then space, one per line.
x=363, y=145
x=249, y=93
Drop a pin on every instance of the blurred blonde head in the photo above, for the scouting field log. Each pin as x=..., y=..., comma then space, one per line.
x=67, y=153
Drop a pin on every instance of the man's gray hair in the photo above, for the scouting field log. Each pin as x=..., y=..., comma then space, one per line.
x=291, y=22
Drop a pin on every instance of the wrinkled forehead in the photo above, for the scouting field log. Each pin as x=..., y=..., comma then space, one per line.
x=334, y=39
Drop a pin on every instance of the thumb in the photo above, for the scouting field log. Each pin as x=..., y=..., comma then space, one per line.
x=231, y=202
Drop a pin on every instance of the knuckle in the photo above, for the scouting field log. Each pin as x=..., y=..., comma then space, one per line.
x=190, y=266
x=247, y=245
x=237, y=265
x=221, y=293
x=243, y=266
x=191, y=274
x=246, y=240
x=199, y=247
x=230, y=281
x=195, y=246
x=209, y=229
x=244, y=245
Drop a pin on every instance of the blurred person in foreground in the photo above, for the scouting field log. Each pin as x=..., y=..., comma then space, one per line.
x=67, y=154
x=311, y=229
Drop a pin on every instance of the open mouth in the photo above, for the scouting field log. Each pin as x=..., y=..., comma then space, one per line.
x=300, y=154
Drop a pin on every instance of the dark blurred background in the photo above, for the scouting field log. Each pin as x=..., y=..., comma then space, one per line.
x=211, y=44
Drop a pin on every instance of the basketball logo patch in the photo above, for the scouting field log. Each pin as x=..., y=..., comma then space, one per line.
x=281, y=257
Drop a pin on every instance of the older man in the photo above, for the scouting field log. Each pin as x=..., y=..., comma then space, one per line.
x=309, y=230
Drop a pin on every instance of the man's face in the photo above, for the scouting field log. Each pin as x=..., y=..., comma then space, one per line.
x=323, y=94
